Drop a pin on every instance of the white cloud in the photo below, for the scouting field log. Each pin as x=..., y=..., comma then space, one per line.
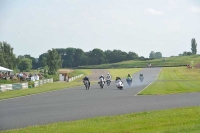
x=195, y=9
x=151, y=11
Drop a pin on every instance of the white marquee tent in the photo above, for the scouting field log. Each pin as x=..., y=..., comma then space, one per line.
x=3, y=69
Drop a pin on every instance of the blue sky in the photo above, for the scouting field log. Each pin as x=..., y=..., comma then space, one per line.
x=35, y=26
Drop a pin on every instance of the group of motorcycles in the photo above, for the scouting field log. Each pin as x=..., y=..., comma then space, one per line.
x=119, y=83
x=102, y=82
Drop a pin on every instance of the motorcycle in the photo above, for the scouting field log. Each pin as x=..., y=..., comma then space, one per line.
x=119, y=84
x=101, y=83
x=87, y=84
x=108, y=82
x=141, y=77
x=129, y=81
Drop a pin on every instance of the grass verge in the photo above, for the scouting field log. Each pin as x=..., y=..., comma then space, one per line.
x=175, y=80
x=122, y=72
x=181, y=120
x=40, y=89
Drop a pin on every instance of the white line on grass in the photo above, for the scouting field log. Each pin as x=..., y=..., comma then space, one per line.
x=150, y=83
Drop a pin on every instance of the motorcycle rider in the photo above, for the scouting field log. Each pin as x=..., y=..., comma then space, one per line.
x=100, y=78
x=108, y=77
x=141, y=75
x=86, y=78
x=118, y=78
x=129, y=76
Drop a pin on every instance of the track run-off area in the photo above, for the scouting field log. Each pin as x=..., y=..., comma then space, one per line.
x=79, y=103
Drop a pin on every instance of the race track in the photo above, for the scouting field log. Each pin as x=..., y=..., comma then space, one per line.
x=79, y=103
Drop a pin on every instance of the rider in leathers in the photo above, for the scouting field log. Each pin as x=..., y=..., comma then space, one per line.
x=86, y=78
x=102, y=77
x=129, y=76
x=108, y=77
x=118, y=78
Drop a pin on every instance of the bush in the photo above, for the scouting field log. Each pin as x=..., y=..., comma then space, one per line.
x=8, y=82
x=55, y=77
x=31, y=83
x=16, y=71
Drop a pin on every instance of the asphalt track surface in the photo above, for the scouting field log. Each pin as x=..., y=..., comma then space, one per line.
x=79, y=103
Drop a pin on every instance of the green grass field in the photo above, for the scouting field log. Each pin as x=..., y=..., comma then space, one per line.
x=122, y=72
x=175, y=80
x=181, y=120
x=164, y=62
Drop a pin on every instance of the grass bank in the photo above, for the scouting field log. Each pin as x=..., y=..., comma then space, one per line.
x=122, y=72
x=181, y=120
x=162, y=62
x=40, y=89
x=175, y=80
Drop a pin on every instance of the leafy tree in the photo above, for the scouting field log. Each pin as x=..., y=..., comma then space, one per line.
x=158, y=55
x=69, y=58
x=116, y=56
x=132, y=56
x=2, y=61
x=194, y=46
x=43, y=60
x=35, y=64
x=155, y=55
x=54, y=61
x=141, y=58
x=185, y=53
x=7, y=58
x=152, y=54
x=108, y=54
x=73, y=57
x=63, y=53
x=79, y=56
x=123, y=56
x=18, y=59
x=25, y=64
x=97, y=56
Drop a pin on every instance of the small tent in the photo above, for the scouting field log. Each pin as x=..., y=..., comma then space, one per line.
x=3, y=69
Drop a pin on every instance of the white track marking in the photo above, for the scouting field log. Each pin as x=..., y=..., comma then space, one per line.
x=150, y=83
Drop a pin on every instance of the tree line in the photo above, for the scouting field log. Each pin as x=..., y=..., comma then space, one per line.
x=74, y=57
x=54, y=59
x=25, y=62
